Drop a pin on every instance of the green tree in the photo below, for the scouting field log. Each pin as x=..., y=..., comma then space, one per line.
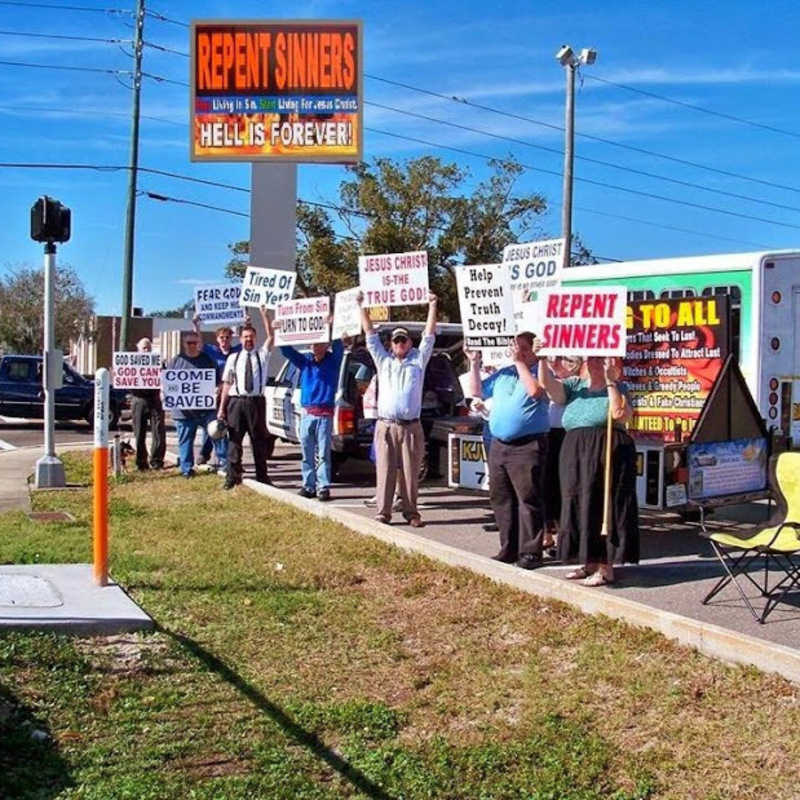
x=388, y=206
x=22, y=309
x=175, y=313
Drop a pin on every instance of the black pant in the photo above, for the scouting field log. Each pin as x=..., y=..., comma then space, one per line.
x=247, y=415
x=148, y=410
x=515, y=492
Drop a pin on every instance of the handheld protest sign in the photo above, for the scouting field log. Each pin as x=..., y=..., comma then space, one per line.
x=533, y=267
x=100, y=479
x=263, y=286
x=394, y=279
x=346, y=314
x=189, y=389
x=303, y=321
x=135, y=370
x=578, y=321
x=484, y=299
x=219, y=305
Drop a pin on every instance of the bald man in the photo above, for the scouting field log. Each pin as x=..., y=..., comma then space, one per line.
x=146, y=408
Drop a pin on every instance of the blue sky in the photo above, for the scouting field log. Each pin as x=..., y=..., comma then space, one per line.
x=731, y=57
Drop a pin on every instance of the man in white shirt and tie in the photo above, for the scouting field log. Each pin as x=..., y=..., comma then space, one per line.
x=243, y=405
x=399, y=440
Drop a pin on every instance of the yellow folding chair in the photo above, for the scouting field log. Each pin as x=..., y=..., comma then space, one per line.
x=777, y=543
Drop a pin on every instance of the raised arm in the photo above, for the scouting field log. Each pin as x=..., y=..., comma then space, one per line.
x=475, y=357
x=552, y=385
x=532, y=386
x=265, y=318
x=196, y=324
x=290, y=354
x=366, y=322
x=621, y=410
x=430, y=323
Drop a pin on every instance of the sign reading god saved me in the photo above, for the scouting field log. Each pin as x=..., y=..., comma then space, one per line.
x=136, y=370
x=484, y=298
x=267, y=287
x=302, y=321
x=578, y=321
x=189, y=389
x=219, y=304
x=395, y=279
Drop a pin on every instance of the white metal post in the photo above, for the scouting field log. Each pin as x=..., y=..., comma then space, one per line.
x=49, y=469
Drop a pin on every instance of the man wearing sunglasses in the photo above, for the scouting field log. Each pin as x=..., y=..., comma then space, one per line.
x=399, y=440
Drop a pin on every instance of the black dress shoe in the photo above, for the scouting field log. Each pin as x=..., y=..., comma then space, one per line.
x=529, y=561
x=324, y=495
x=491, y=527
x=306, y=493
x=504, y=559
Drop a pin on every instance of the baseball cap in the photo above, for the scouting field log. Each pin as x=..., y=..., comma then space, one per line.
x=399, y=332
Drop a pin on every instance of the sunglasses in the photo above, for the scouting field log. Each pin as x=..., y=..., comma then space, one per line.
x=399, y=339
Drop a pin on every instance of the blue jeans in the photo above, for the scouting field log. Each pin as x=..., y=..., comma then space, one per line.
x=220, y=447
x=187, y=428
x=315, y=441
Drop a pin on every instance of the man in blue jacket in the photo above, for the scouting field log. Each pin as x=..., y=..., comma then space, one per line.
x=319, y=377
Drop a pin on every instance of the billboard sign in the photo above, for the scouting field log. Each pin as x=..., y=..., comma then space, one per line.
x=276, y=90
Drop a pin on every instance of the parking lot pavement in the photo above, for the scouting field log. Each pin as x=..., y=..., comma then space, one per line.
x=677, y=568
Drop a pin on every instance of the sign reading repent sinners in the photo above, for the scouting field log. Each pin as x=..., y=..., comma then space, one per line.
x=276, y=90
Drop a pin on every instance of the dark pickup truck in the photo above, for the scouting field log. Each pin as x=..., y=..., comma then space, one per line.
x=22, y=395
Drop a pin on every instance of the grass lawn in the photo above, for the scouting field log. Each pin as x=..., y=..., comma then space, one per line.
x=296, y=659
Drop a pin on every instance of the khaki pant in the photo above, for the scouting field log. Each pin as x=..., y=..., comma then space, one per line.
x=398, y=449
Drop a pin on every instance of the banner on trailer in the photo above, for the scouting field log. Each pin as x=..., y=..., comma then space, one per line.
x=346, y=314
x=533, y=267
x=135, y=370
x=484, y=299
x=189, y=389
x=722, y=468
x=394, y=279
x=579, y=321
x=302, y=321
x=219, y=305
x=263, y=286
x=675, y=351
x=276, y=90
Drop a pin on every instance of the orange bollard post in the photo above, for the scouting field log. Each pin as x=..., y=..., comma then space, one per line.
x=100, y=479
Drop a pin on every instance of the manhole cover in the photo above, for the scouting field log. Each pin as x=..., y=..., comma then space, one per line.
x=51, y=516
x=30, y=591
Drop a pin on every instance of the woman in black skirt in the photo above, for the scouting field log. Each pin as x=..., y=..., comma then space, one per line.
x=582, y=471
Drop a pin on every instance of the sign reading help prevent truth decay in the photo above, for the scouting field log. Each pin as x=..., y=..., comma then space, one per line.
x=134, y=370
x=484, y=298
x=578, y=321
x=219, y=304
x=302, y=321
x=263, y=286
x=394, y=279
x=189, y=389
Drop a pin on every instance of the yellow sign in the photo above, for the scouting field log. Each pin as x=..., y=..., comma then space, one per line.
x=379, y=313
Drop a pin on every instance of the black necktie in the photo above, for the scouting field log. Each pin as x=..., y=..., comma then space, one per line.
x=248, y=374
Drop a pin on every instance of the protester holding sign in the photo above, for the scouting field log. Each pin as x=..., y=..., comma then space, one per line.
x=243, y=405
x=518, y=421
x=190, y=409
x=146, y=408
x=319, y=375
x=399, y=439
x=586, y=401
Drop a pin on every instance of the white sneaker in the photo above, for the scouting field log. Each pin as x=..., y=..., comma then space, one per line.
x=398, y=504
x=371, y=502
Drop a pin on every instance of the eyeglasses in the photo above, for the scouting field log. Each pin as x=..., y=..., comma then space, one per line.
x=400, y=340
x=192, y=343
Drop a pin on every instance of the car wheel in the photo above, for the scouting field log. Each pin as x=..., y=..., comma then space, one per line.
x=113, y=418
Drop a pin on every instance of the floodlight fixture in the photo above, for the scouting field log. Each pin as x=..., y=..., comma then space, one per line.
x=565, y=55
x=588, y=55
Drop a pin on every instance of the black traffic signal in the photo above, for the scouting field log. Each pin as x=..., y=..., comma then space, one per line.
x=50, y=221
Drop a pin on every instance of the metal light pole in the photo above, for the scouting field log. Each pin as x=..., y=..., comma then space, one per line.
x=130, y=222
x=571, y=63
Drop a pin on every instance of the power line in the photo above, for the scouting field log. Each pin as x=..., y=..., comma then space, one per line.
x=556, y=150
x=182, y=201
x=125, y=11
x=62, y=66
x=161, y=79
x=601, y=184
x=693, y=107
x=164, y=49
x=162, y=18
x=97, y=111
x=551, y=126
x=62, y=36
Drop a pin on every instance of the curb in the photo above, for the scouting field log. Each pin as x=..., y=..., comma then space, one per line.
x=709, y=639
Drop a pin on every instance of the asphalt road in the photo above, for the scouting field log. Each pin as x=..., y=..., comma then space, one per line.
x=15, y=432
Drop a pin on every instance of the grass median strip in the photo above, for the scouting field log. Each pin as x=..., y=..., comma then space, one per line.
x=296, y=659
